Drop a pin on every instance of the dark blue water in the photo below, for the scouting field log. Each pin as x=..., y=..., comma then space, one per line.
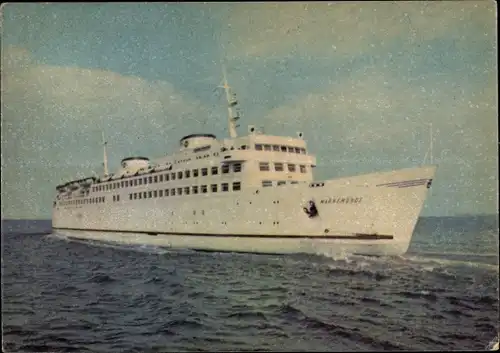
x=61, y=295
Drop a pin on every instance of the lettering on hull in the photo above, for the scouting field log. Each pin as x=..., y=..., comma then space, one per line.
x=342, y=200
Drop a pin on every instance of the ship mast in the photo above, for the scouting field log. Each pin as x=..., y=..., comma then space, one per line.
x=231, y=103
x=105, y=164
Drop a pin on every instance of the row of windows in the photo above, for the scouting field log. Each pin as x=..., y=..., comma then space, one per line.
x=186, y=190
x=186, y=174
x=280, y=148
x=92, y=200
x=267, y=183
x=279, y=167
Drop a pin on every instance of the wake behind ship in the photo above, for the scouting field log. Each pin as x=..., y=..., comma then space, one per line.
x=251, y=193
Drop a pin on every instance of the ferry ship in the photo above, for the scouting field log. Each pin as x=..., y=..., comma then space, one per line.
x=252, y=193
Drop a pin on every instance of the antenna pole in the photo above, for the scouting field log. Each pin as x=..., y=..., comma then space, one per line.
x=104, y=143
x=431, y=142
x=230, y=104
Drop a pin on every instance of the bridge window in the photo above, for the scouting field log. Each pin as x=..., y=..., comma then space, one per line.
x=267, y=147
x=195, y=189
x=204, y=189
x=237, y=167
x=225, y=168
x=172, y=192
x=215, y=170
x=140, y=181
x=155, y=193
x=214, y=187
x=302, y=168
x=283, y=148
x=145, y=194
x=150, y=179
x=172, y=176
x=195, y=173
x=204, y=171
x=276, y=148
x=267, y=183
x=179, y=191
x=186, y=190
x=236, y=186
x=160, y=178
x=264, y=166
x=145, y=180
x=225, y=187
x=291, y=167
x=281, y=182
x=290, y=149
x=303, y=150
x=179, y=175
x=166, y=192
x=167, y=177
x=160, y=193
x=258, y=147
x=278, y=167
x=187, y=173
x=155, y=179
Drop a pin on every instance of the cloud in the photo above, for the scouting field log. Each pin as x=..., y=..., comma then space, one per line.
x=346, y=28
x=52, y=118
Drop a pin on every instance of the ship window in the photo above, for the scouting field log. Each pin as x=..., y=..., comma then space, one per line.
x=214, y=187
x=167, y=177
x=160, y=193
x=237, y=167
x=303, y=150
x=283, y=148
x=144, y=195
x=276, y=148
x=155, y=193
x=186, y=190
x=150, y=179
x=172, y=176
x=130, y=196
x=150, y=194
x=117, y=197
x=291, y=167
x=187, y=173
x=204, y=171
x=236, y=186
x=278, y=167
x=179, y=175
x=172, y=192
x=139, y=195
x=195, y=173
x=267, y=147
x=281, y=182
x=145, y=180
x=195, y=189
x=225, y=187
x=258, y=147
x=294, y=182
x=215, y=170
x=297, y=149
x=166, y=192
x=290, y=149
x=160, y=178
x=179, y=191
x=266, y=183
x=225, y=168
x=156, y=178
x=140, y=181
x=264, y=166
x=204, y=189
x=302, y=168
x=122, y=184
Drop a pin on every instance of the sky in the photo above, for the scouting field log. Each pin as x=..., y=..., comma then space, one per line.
x=361, y=80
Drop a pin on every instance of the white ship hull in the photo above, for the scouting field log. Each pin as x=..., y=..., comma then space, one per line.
x=371, y=214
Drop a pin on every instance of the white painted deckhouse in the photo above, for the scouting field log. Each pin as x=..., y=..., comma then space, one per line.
x=251, y=193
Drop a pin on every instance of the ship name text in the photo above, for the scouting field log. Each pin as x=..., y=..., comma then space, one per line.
x=344, y=200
